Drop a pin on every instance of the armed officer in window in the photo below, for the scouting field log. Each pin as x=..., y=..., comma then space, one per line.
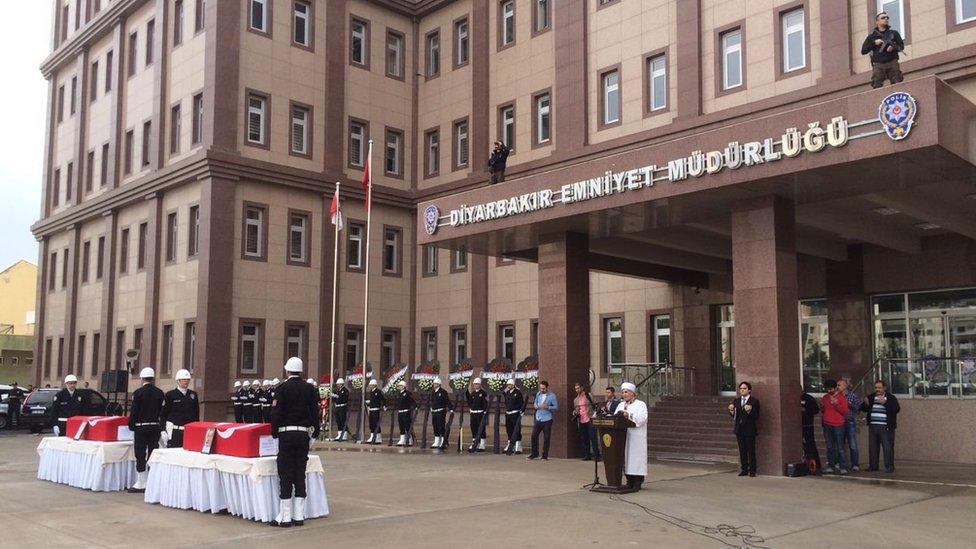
x=514, y=406
x=340, y=407
x=294, y=422
x=440, y=403
x=478, y=405
x=375, y=404
x=180, y=406
x=883, y=44
x=70, y=401
x=405, y=405
x=147, y=405
x=235, y=397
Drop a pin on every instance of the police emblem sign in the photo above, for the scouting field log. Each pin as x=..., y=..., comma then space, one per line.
x=897, y=115
x=431, y=215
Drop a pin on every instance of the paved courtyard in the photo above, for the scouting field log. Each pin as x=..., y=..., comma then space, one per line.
x=384, y=499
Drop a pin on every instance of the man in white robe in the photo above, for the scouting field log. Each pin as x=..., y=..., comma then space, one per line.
x=635, y=458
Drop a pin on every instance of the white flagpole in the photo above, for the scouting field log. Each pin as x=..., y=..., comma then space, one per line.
x=335, y=287
x=369, y=214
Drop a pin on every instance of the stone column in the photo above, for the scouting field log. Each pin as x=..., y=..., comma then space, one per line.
x=848, y=317
x=564, y=328
x=764, y=291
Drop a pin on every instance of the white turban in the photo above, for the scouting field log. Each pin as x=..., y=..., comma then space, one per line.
x=628, y=386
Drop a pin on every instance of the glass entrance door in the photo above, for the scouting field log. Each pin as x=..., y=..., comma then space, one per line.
x=725, y=348
x=962, y=344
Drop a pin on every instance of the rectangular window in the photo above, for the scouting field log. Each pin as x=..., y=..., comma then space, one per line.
x=354, y=348
x=394, y=54
x=389, y=348
x=129, y=138
x=541, y=15
x=193, y=242
x=461, y=43
x=77, y=14
x=146, y=142
x=82, y=344
x=254, y=217
x=120, y=360
x=250, y=350
x=432, y=157
x=256, y=130
x=429, y=341
x=85, y=260
x=137, y=339
x=259, y=15
x=47, y=359
x=391, y=251
x=150, y=39
x=124, y=251
x=108, y=71
x=60, y=365
x=506, y=124
x=178, y=19
x=69, y=182
x=354, y=246
x=90, y=172
x=103, y=176
x=610, y=84
x=74, y=95
x=64, y=268
x=189, y=345
x=613, y=341
x=661, y=342
x=96, y=352
x=298, y=238
x=93, y=82
x=794, y=43
x=657, y=82
x=52, y=270
x=534, y=338
x=357, y=144
x=200, y=17
x=433, y=54
x=965, y=11
x=732, y=59
x=358, y=43
x=461, y=144
x=295, y=335
x=56, y=188
x=542, y=118
x=299, y=129
x=393, y=159
x=896, y=13
x=506, y=22
x=64, y=22
x=171, y=228
x=430, y=260
x=197, y=118
x=459, y=259
x=301, y=24
x=100, y=256
x=175, y=129
x=60, y=104
x=506, y=341
x=141, y=248
x=167, y=350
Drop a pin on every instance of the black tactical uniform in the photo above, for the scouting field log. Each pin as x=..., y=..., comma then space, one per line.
x=294, y=417
x=405, y=405
x=264, y=401
x=237, y=397
x=66, y=404
x=15, y=398
x=250, y=405
x=147, y=405
x=514, y=403
x=269, y=411
x=478, y=404
x=179, y=408
x=440, y=403
x=340, y=401
x=374, y=406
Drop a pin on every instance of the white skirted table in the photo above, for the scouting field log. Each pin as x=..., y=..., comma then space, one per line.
x=88, y=464
x=244, y=487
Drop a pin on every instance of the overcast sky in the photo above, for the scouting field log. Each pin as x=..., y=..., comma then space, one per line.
x=25, y=43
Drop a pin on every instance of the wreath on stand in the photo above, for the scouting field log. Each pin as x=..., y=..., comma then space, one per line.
x=461, y=374
x=391, y=376
x=496, y=374
x=355, y=377
x=528, y=373
x=425, y=375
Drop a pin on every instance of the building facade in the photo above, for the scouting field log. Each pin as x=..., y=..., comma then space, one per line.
x=18, y=294
x=194, y=146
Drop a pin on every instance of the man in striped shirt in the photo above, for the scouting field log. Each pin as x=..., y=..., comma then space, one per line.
x=882, y=415
x=850, y=421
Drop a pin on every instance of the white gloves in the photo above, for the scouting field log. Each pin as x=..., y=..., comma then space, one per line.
x=169, y=430
x=57, y=431
x=163, y=439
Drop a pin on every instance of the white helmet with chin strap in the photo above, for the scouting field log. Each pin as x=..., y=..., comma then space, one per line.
x=294, y=365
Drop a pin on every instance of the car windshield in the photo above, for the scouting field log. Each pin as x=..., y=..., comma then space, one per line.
x=41, y=397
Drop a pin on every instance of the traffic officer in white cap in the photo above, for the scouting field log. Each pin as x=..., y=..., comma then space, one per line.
x=70, y=401
x=635, y=456
x=440, y=403
x=235, y=397
x=405, y=405
x=478, y=404
x=294, y=422
x=340, y=407
x=147, y=405
x=375, y=403
x=514, y=405
x=180, y=406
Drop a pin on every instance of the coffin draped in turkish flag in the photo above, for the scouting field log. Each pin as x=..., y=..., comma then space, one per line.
x=231, y=439
x=100, y=428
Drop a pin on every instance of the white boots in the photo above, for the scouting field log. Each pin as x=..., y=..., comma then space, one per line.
x=518, y=447
x=141, y=480
x=402, y=441
x=298, y=513
x=375, y=438
x=438, y=441
x=481, y=445
x=284, y=513
x=341, y=436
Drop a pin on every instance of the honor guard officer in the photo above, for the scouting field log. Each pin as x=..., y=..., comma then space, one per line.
x=245, y=399
x=440, y=403
x=405, y=405
x=70, y=401
x=255, y=408
x=340, y=399
x=235, y=397
x=478, y=404
x=147, y=404
x=294, y=423
x=514, y=405
x=375, y=404
x=180, y=406
x=266, y=400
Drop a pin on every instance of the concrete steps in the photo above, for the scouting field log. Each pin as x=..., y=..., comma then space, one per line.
x=696, y=427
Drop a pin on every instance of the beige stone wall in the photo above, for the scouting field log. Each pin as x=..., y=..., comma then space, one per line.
x=55, y=305
x=443, y=301
x=187, y=70
x=512, y=298
x=138, y=101
x=64, y=132
x=99, y=130
x=89, y=316
x=130, y=288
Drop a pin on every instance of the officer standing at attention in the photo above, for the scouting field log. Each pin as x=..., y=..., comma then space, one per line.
x=375, y=403
x=514, y=403
x=68, y=402
x=180, y=406
x=266, y=400
x=147, y=404
x=340, y=399
x=478, y=405
x=244, y=397
x=440, y=403
x=405, y=405
x=15, y=399
x=235, y=397
x=294, y=423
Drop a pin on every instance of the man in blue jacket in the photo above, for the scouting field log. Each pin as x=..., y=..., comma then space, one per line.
x=545, y=403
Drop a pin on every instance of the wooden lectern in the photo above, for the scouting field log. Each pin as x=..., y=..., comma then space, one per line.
x=612, y=438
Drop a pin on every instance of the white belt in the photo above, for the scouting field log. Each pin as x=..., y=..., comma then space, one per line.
x=154, y=424
x=373, y=409
x=177, y=427
x=439, y=410
x=513, y=412
x=343, y=404
x=293, y=428
x=477, y=411
x=404, y=411
x=248, y=404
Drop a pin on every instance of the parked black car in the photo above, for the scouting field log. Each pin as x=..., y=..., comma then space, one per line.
x=38, y=410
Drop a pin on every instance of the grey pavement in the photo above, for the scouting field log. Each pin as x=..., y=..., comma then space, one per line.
x=389, y=499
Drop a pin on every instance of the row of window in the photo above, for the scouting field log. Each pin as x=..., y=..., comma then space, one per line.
x=251, y=347
x=389, y=347
x=459, y=260
x=505, y=342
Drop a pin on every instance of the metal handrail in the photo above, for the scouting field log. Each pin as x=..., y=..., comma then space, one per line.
x=654, y=378
x=914, y=377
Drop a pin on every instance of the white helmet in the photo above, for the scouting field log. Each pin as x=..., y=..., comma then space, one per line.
x=340, y=381
x=510, y=382
x=311, y=381
x=237, y=383
x=70, y=378
x=477, y=380
x=255, y=383
x=246, y=383
x=147, y=372
x=275, y=381
x=402, y=383
x=294, y=365
x=437, y=381
x=372, y=382
x=182, y=374
x=266, y=383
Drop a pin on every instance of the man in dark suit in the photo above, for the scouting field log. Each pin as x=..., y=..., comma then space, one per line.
x=607, y=408
x=745, y=414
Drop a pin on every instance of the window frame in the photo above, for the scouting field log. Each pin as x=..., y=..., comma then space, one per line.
x=652, y=333
x=366, y=50
x=432, y=158
x=605, y=345
x=429, y=260
x=364, y=143
x=456, y=329
x=268, y=14
x=904, y=12
x=500, y=328
x=780, y=15
x=109, y=71
x=309, y=25
x=189, y=343
x=198, y=113
x=258, y=339
x=358, y=330
x=124, y=250
x=720, y=65
x=397, y=344
x=504, y=40
x=103, y=166
x=456, y=146
x=262, y=253
x=303, y=340
x=536, y=29
x=389, y=132
x=458, y=40
x=90, y=172
x=308, y=127
x=175, y=127
x=953, y=12
x=85, y=260
x=306, y=259
x=459, y=252
x=150, y=53
x=93, y=81
x=401, y=60
x=179, y=20
x=73, y=99
x=424, y=334
x=146, y=146
x=537, y=118
x=193, y=231
x=501, y=124
x=130, y=136
x=361, y=243
x=649, y=75
x=142, y=245
x=99, y=257
x=166, y=348
x=132, y=54
x=430, y=60
x=265, y=113
x=172, y=237
x=605, y=100
x=199, y=16
x=397, y=271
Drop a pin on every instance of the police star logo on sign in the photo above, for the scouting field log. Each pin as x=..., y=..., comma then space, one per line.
x=897, y=115
x=431, y=216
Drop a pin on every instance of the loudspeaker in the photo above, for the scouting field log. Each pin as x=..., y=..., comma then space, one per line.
x=797, y=469
x=115, y=381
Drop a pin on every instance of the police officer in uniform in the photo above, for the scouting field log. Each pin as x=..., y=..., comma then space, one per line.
x=15, y=398
x=514, y=403
x=266, y=399
x=235, y=397
x=294, y=423
x=340, y=407
x=440, y=403
x=478, y=405
x=252, y=408
x=405, y=405
x=180, y=406
x=375, y=404
x=70, y=401
x=147, y=404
